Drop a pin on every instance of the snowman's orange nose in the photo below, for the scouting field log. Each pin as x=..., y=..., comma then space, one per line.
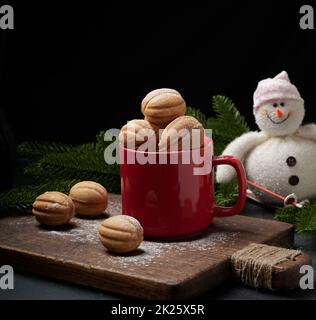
x=279, y=113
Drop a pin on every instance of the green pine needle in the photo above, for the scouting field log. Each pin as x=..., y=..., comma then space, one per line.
x=226, y=194
x=228, y=114
x=303, y=219
x=228, y=123
x=20, y=200
x=197, y=114
x=83, y=163
x=56, y=167
x=36, y=149
x=226, y=126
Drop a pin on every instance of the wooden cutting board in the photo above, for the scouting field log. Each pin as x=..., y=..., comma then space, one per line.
x=157, y=270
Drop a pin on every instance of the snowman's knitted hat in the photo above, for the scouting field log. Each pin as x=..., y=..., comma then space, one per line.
x=278, y=88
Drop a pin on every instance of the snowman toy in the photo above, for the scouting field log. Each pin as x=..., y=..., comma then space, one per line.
x=282, y=156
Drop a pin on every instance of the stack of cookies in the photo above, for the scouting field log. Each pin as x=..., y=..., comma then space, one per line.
x=164, y=127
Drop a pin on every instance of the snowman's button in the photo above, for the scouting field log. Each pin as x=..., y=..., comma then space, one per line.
x=294, y=180
x=291, y=161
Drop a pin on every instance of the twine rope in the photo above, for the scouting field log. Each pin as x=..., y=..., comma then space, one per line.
x=254, y=264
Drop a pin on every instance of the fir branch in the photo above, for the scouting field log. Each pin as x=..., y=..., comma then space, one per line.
x=304, y=219
x=83, y=163
x=37, y=149
x=227, y=125
x=226, y=194
x=100, y=137
x=287, y=214
x=20, y=200
x=86, y=159
x=100, y=143
x=226, y=112
x=197, y=114
x=110, y=180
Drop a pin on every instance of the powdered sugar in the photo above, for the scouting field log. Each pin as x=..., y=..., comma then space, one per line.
x=21, y=220
x=81, y=231
x=56, y=205
x=86, y=231
x=150, y=251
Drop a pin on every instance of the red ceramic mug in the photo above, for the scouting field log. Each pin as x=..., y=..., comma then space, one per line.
x=170, y=200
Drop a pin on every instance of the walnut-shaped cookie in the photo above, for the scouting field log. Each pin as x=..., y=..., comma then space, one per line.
x=121, y=233
x=183, y=133
x=53, y=209
x=90, y=198
x=136, y=132
x=162, y=106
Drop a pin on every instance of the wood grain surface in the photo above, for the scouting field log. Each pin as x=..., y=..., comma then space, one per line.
x=157, y=270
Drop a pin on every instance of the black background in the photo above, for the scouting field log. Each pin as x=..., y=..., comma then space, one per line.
x=71, y=70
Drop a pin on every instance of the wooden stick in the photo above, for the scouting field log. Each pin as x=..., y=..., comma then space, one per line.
x=266, y=190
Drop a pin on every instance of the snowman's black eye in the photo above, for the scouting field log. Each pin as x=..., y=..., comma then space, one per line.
x=275, y=105
x=282, y=104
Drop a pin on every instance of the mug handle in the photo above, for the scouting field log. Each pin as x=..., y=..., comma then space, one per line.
x=242, y=186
